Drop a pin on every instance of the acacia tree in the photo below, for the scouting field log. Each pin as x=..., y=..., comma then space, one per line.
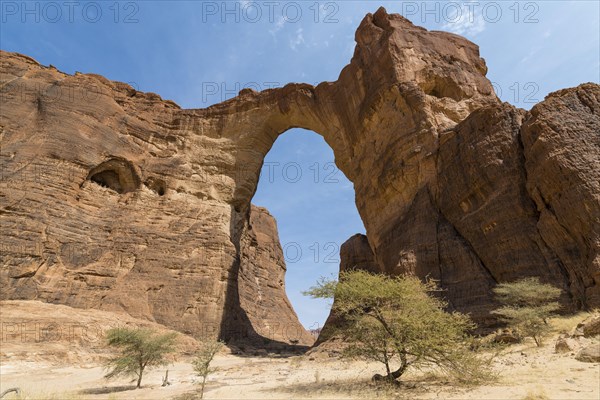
x=397, y=320
x=204, y=357
x=137, y=350
x=527, y=306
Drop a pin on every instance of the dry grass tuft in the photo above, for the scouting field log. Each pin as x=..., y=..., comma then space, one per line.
x=566, y=323
x=537, y=395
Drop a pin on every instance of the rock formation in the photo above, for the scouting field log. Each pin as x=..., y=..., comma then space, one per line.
x=118, y=200
x=260, y=283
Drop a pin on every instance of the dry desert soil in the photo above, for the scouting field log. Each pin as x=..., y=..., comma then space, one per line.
x=58, y=368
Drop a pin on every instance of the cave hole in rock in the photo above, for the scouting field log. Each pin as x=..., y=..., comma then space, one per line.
x=116, y=174
x=157, y=185
x=314, y=205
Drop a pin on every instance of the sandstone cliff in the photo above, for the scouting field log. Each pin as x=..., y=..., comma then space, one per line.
x=118, y=200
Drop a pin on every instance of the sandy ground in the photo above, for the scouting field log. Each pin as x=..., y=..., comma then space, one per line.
x=524, y=370
x=55, y=352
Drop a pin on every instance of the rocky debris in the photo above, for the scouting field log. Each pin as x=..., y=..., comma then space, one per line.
x=590, y=326
x=575, y=341
x=589, y=353
x=565, y=344
x=118, y=200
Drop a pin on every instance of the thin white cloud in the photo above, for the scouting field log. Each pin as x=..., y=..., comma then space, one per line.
x=278, y=26
x=530, y=56
x=465, y=21
x=298, y=40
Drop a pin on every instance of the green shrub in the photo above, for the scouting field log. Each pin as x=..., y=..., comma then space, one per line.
x=527, y=305
x=204, y=357
x=398, y=321
x=138, y=349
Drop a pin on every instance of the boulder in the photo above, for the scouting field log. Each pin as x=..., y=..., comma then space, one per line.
x=589, y=353
x=565, y=345
x=591, y=326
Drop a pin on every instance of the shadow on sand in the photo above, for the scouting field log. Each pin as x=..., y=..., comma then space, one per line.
x=339, y=387
x=366, y=388
x=108, y=389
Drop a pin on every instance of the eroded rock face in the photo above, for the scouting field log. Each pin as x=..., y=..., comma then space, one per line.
x=562, y=152
x=118, y=200
x=261, y=284
x=356, y=253
x=486, y=214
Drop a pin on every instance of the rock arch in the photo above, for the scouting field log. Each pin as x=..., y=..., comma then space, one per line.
x=449, y=182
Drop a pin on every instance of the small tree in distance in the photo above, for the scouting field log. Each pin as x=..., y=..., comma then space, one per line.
x=527, y=306
x=396, y=321
x=204, y=357
x=138, y=349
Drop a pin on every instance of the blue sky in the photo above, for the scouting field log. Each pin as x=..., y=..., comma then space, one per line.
x=201, y=53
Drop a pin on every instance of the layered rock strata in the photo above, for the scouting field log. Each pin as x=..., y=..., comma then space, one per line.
x=119, y=200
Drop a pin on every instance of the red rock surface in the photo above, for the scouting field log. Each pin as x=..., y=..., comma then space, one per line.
x=118, y=200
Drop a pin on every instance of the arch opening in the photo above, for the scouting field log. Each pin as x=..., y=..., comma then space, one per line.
x=313, y=204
